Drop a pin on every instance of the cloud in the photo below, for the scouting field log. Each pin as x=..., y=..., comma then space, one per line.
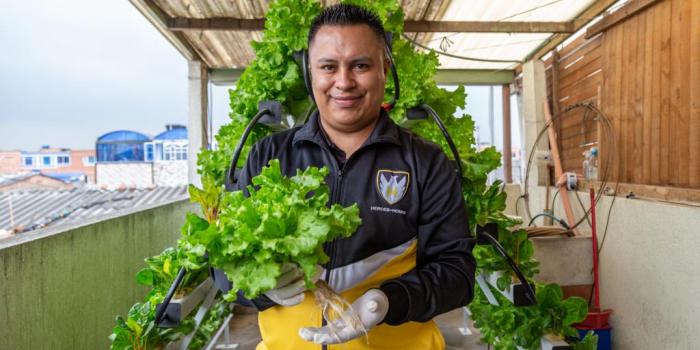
x=81, y=67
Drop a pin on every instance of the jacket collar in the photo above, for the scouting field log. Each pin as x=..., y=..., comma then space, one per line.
x=385, y=131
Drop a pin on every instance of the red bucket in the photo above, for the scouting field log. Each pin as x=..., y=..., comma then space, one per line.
x=596, y=320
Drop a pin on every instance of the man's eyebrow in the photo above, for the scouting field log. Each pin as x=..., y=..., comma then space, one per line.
x=326, y=60
x=354, y=60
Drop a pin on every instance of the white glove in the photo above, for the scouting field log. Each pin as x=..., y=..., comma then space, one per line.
x=290, y=286
x=371, y=308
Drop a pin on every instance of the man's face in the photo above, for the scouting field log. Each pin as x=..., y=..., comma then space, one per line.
x=348, y=72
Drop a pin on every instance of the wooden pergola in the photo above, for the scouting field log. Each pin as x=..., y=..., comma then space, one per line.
x=214, y=36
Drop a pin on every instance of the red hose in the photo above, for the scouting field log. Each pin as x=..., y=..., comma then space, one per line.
x=594, y=240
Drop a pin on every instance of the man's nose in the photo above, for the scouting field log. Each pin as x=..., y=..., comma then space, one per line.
x=345, y=79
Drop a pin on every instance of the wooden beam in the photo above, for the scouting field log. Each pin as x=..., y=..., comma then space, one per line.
x=218, y=23
x=473, y=76
x=225, y=76
x=507, y=156
x=488, y=27
x=233, y=24
x=676, y=195
x=159, y=19
x=558, y=170
x=581, y=20
x=628, y=10
x=229, y=76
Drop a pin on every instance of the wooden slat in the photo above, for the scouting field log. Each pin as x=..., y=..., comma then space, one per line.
x=630, y=30
x=575, y=118
x=656, y=36
x=572, y=47
x=627, y=11
x=573, y=142
x=680, y=101
x=648, y=192
x=587, y=84
x=664, y=27
x=637, y=175
x=583, y=90
x=694, y=92
x=583, y=49
x=572, y=135
x=616, y=102
x=604, y=146
x=647, y=36
x=581, y=70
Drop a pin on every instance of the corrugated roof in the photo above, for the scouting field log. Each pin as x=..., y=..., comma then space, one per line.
x=33, y=209
x=7, y=179
x=230, y=49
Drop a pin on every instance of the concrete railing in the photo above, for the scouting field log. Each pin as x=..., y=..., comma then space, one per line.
x=62, y=288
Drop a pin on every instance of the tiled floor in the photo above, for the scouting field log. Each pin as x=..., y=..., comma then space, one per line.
x=244, y=331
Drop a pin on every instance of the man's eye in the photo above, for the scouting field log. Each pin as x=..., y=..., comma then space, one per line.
x=327, y=67
x=361, y=66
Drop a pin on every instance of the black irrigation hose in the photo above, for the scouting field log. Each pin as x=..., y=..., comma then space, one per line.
x=237, y=153
x=607, y=126
x=450, y=142
x=561, y=222
x=395, y=76
x=173, y=287
x=530, y=292
x=554, y=200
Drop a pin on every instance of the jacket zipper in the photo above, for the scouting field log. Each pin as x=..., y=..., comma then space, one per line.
x=333, y=244
x=334, y=199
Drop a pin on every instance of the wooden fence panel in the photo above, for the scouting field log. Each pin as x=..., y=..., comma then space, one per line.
x=644, y=73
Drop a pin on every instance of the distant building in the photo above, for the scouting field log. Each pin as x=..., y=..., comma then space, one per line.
x=33, y=181
x=10, y=162
x=132, y=159
x=61, y=163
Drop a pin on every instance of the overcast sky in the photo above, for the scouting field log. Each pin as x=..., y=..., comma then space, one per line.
x=71, y=71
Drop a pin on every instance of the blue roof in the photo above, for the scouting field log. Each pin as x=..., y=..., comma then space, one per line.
x=65, y=177
x=173, y=134
x=123, y=136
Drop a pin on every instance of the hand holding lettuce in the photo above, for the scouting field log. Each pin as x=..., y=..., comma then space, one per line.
x=284, y=220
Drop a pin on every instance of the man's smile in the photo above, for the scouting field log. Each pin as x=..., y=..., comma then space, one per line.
x=346, y=101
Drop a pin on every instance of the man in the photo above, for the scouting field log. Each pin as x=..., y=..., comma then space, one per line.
x=410, y=260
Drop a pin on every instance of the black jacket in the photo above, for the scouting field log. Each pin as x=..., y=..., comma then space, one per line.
x=407, y=190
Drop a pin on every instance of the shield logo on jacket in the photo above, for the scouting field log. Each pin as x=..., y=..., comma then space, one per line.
x=392, y=185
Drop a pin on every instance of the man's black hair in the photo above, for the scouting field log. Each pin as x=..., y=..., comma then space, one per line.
x=345, y=15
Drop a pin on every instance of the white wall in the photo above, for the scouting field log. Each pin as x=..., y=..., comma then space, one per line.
x=170, y=173
x=136, y=174
x=649, y=269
